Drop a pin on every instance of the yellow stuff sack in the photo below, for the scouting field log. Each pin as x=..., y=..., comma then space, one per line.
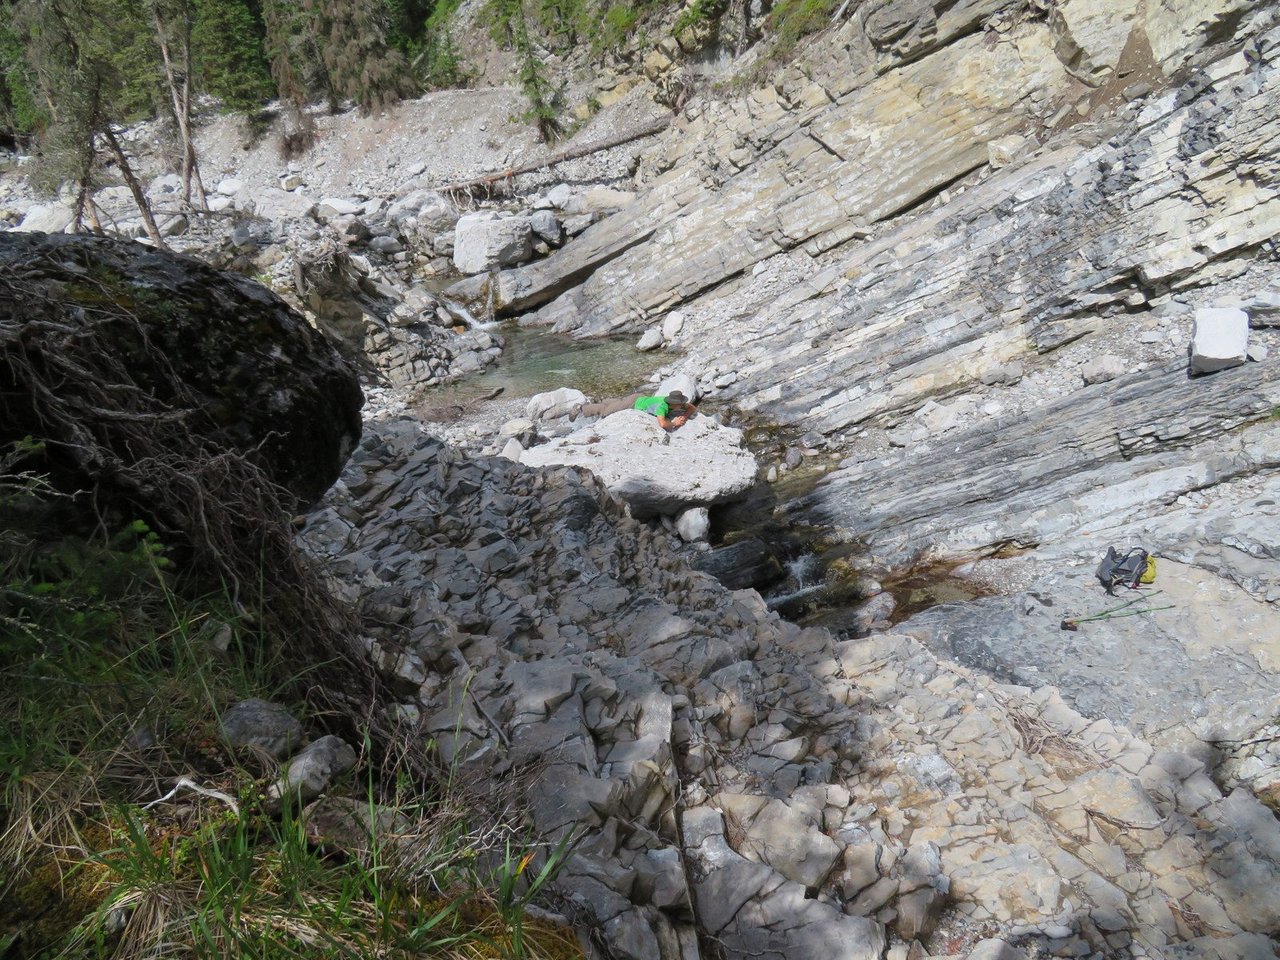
x=1149, y=574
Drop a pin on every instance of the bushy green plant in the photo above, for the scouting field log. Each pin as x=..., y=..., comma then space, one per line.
x=616, y=25
x=793, y=19
x=695, y=14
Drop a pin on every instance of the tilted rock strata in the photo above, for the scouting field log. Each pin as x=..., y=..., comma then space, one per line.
x=747, y=780
x=1114, y=230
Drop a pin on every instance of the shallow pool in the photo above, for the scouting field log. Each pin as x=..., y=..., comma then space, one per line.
x=535, y=360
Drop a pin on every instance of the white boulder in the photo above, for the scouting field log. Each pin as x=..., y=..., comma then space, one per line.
x=47, y=218
x=651, y=339
x=657, y=473
x=672, y=325
x=1219, y=339
x=685, y=383
x=482, y=241
x=274, y=204
x=694, y=524
x=230, y=186
x=1101, y=369
x=554, y=404
x=560, y=195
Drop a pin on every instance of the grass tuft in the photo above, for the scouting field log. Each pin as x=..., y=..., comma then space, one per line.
x=114, y=672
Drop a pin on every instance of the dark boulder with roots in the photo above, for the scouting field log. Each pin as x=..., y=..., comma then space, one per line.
x=160, y=388
x=127, y=361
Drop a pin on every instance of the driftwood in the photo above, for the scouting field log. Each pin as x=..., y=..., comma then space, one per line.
x=489, y=180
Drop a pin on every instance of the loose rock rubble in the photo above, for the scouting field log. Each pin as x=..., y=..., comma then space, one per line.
x=745, y=779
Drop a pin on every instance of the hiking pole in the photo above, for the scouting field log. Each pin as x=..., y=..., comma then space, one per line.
x=1071, y=623
x=1074, y=624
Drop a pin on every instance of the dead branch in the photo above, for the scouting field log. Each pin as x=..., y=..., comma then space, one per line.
x=490, y=179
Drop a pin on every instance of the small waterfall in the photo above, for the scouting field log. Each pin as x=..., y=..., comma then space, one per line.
x=801, y=568
x=781, y=600
x=800, y=584
x=490, y=289
x=467, y=317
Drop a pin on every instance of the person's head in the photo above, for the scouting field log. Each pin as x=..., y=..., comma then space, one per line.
x=677, y=404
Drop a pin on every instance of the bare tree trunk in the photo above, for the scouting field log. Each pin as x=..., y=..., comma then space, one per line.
x=180, y=106
x=94, y=221
x=85, y=158
x=82, y=199
x=490, y=179
x=140, y=198
x=202, y=202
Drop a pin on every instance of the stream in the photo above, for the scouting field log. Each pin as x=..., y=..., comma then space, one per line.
x=535, y=360
x=801, y=572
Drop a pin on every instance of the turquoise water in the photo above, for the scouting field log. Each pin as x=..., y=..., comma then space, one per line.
x=535, y=360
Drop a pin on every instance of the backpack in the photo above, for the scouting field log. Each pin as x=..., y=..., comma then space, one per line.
x=1129, y=570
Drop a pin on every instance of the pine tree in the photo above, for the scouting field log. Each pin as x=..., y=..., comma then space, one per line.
x=74, y=52
x=21, y=113
x=230, y=53
x=510, y=26
x=353, y=42
x=281, y=18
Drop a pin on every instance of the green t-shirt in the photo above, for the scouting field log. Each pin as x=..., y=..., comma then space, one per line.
x=654, y=405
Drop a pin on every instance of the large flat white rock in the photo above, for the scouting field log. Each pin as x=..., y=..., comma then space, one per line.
x=656, y=472
x=482, y=241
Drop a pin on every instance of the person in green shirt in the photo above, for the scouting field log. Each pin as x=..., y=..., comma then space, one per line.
x=673, y=410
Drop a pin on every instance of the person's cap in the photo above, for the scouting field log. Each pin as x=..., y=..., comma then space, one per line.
x=675, y=396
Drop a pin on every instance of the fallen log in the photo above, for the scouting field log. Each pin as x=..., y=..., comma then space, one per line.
x=627, y=136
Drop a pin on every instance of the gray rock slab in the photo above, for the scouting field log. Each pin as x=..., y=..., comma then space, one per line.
x=1171, y=674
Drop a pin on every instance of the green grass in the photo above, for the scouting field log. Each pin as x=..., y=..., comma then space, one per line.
x=110, y=690
x=793, y=19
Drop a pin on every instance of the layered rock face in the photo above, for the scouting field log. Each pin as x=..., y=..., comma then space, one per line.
x=174, y=343
x=749, y=788
x=980, y=248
